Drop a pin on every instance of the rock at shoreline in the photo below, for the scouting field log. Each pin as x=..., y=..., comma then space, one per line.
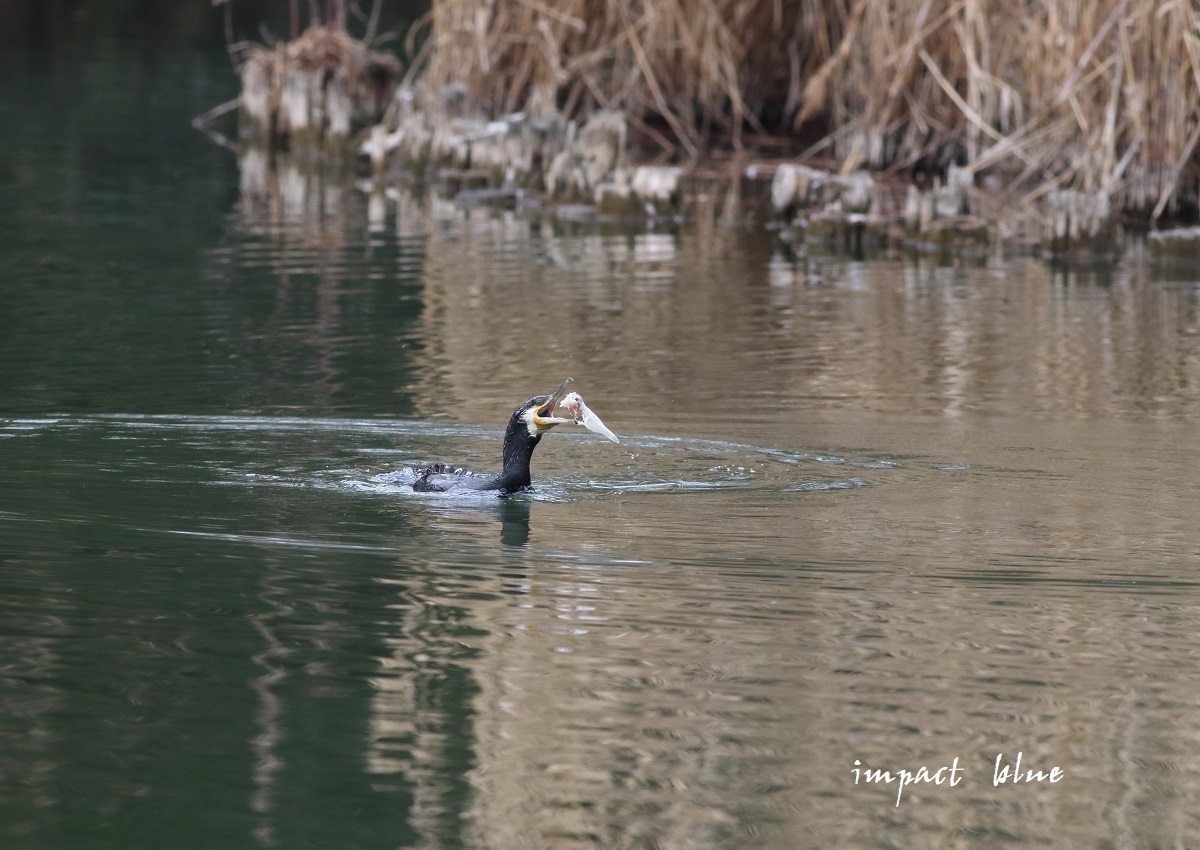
x=588, y=158
x=797, y=188
x=1080, y=223
x=651, y=190
x=832, y=209
x=1180, y=245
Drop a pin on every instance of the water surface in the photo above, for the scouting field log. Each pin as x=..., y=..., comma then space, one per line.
x=894, y=511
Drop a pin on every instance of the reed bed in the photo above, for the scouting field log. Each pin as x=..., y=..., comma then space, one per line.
x=313, y=90
x=1092, y=96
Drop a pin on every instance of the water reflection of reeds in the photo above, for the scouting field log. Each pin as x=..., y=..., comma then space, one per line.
x=509, y=303
x=689, y=705
x=709, y=673
x=679, y=316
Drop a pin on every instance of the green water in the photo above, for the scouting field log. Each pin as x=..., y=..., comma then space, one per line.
x=891, y=511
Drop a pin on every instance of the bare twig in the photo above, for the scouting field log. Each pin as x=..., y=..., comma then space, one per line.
x=203, y=122
x=372, y=23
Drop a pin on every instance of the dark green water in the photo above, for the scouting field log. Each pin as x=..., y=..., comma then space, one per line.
x=890, y=511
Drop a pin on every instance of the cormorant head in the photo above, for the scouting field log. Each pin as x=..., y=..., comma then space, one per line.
x=537, y=414
x=533, y=419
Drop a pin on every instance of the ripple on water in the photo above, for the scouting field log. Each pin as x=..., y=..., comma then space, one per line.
x=584, y=491
x=644, y=464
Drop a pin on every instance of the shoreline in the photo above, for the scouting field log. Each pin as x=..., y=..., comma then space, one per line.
x=1048, y=152
x=732, y=193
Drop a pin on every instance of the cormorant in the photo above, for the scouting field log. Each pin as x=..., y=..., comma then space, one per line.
x=525, y=429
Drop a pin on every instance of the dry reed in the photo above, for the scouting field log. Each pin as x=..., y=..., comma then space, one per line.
x=320, y=86
x=1089, y=95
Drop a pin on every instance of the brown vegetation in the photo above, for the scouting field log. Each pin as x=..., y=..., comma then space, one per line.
x=1085, y=95
x=315, y=90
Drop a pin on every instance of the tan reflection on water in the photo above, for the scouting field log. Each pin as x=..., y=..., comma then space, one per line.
x=702, y=670
x=696, y=317
x=687, y=319
x=687, y=705
x=686, y=669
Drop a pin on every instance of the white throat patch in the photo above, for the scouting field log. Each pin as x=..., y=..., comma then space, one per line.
x=529, y=416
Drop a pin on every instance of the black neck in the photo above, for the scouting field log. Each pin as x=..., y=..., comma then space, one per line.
x=518, y=451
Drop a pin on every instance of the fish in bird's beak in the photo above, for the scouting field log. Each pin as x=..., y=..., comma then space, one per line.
x=581, y=414
x=573, y=402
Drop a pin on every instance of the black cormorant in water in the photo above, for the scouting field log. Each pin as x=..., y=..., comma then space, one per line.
x=525, y=429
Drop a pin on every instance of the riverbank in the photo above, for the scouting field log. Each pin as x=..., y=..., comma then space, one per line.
x=1054, y=130
x=1089, y=97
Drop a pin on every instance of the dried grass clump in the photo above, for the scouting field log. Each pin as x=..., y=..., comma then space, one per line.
x=1091, y=96
x=682, y=69
x=1086, y=95
x=317, y=88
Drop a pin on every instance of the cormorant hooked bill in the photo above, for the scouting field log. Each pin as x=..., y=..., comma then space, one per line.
x=525, y=429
